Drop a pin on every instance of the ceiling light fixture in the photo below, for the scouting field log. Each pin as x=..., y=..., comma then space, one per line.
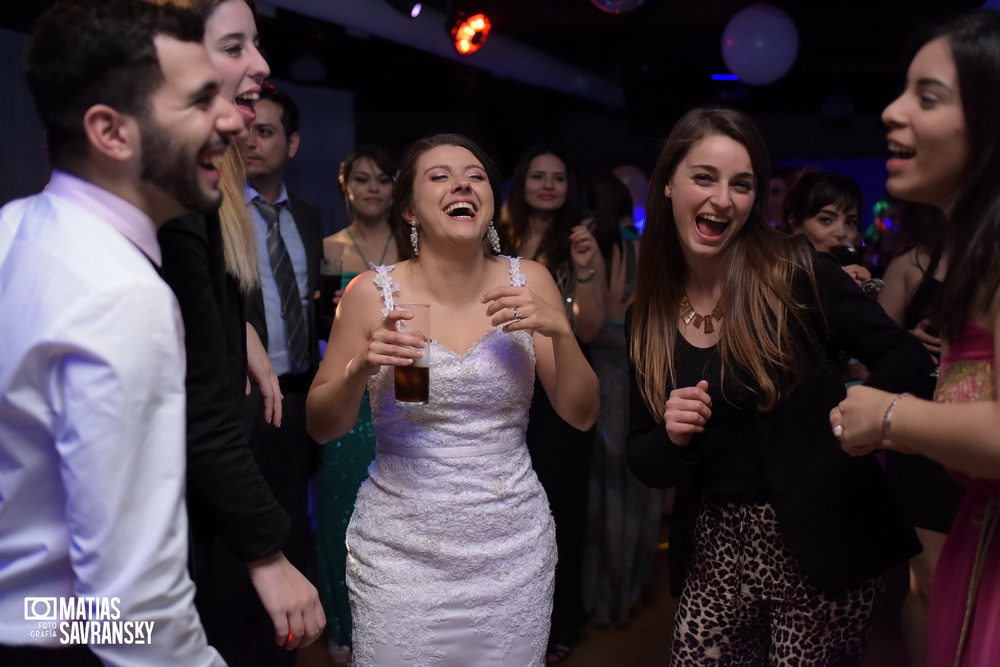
x=406, y=7
x=469, y=30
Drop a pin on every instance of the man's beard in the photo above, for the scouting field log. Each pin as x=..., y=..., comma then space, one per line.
x=173, y=169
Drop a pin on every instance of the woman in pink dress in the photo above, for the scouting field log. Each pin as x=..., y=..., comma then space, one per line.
x=945, y=144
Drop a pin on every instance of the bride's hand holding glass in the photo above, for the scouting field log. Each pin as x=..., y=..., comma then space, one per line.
x=390, y=347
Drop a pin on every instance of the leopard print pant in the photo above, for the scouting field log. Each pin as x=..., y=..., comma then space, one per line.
x=746, y=602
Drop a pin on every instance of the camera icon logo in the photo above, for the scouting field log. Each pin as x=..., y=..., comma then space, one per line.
x=40, y=609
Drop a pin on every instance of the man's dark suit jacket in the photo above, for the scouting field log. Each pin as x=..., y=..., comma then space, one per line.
x=287, y=456
x=309, y=223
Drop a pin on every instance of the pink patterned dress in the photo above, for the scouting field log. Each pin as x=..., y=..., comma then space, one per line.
x=964, y=623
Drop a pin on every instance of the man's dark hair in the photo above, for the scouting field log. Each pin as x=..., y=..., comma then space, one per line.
x=87, y=52
x=289, y=109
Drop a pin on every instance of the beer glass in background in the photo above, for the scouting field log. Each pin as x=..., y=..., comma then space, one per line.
x=413, y=381
x=330, y=272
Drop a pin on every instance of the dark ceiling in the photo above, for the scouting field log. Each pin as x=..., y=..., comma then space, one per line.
x=850, y=47
x=663, y=53
x=667, y=48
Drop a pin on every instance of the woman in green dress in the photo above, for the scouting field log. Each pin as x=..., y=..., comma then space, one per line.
x=366, y=184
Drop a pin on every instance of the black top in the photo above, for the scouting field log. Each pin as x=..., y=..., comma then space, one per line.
x=731, y=470
x=226, y=493
x=924, y=301
x=835, y=511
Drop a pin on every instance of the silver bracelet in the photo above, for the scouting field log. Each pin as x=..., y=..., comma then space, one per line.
x=887, y=417
x=588, y=278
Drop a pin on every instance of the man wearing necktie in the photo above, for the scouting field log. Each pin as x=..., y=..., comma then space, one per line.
x=282, y=310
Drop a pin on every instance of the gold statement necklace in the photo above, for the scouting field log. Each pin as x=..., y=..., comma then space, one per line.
x=690, y=316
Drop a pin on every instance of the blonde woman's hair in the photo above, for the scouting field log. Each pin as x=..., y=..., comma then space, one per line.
x=762, y=270
x=238, y=241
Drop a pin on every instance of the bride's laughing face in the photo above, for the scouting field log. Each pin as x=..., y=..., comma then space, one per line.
x=452, y=197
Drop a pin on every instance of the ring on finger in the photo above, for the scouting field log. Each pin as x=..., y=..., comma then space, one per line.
x=517, y=314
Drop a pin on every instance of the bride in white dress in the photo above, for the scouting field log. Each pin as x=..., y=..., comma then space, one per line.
x=452, y=546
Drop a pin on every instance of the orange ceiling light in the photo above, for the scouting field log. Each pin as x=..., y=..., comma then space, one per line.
x=469, y=32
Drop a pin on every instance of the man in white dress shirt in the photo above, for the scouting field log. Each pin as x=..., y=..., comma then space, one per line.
x=93, y=527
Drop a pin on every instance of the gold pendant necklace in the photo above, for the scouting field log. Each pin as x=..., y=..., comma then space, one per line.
x=690, y=316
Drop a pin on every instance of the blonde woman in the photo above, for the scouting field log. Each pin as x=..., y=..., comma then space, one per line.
x=208, y=261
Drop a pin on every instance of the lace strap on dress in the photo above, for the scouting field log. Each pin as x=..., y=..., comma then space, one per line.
x=387, y=285
x=517, y=279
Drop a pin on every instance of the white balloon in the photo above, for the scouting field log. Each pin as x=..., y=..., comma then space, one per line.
x=759, y=44
x=616, y=6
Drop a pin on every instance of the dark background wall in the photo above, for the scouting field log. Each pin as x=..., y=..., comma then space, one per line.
x=358, y=88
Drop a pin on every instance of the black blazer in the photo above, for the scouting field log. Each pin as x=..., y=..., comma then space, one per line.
x=837, y=512
x=226, y=493
x=310, y=225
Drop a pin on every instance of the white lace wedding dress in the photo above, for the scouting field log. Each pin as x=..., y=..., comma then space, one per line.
x=451, y=544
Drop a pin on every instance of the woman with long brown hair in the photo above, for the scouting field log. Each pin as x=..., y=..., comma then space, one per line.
x=541, y=221
x=778, y=539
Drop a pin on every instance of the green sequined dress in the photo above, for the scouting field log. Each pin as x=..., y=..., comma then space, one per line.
x=344, y=468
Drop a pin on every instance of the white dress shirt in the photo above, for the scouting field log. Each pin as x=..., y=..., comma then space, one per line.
x=92, y=412
x=277, y=341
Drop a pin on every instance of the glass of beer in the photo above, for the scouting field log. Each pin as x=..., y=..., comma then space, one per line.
x=330, y=272
x=413, y=381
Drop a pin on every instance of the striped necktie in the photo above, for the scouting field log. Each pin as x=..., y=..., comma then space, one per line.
x=288, y=286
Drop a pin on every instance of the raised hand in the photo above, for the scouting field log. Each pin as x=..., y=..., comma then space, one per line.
x=859, y=273
x=857, y=421
x=687, y=411
x=520, y=309
x=582, y=247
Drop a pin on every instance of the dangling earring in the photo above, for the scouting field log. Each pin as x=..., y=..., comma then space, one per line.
x=494, y=238
x=414, y=238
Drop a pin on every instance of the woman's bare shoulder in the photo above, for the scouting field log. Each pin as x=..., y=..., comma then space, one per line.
x=533, y=270
x=362, y=293
x=338, y=237
x=331, y=243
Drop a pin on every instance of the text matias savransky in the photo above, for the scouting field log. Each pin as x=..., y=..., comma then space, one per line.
x=84, y=620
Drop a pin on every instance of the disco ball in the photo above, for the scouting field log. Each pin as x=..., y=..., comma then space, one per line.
x=616, y=6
